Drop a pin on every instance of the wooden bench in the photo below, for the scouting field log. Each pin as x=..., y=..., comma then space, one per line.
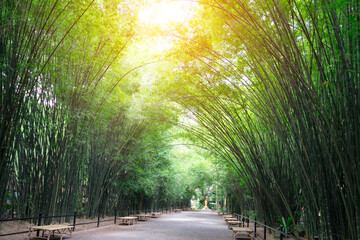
x=230, y=219
x=241, y=229
x=232, y=224
x=155, y=214
x=143, y=217
x=128, y=220
x=243, y=236
x=50, y=230
x=177, y=210
x=227, y=216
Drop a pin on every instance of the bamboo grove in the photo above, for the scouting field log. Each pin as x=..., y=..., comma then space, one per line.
x=271, y=88
x=69, y=139
x=274, y=87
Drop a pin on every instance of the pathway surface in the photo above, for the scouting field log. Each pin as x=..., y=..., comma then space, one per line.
x=187, y=225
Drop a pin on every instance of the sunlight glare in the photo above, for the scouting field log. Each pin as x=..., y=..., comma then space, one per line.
x=166, y=12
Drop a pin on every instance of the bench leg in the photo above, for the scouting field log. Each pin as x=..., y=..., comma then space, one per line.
x=29, y=234
x=61, y=233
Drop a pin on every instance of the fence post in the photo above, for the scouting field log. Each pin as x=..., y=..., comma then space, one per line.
x=264, y=230
x=128, y=211
x=281, y=235
x=255, y=228
x=74, y=221
x=39, y=223
x=243, y=220
x=115, y=217
x=247, y=222
x=98, y=221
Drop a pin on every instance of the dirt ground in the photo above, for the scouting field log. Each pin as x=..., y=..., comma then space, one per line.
x=260, y=232
x=20, y=226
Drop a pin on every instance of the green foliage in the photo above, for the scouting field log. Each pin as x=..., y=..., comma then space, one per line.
x=285, y=223
x=271, y=86
x=267, y=92
x=69, y=138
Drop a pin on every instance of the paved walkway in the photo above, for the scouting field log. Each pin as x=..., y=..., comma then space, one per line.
x=188, y=225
